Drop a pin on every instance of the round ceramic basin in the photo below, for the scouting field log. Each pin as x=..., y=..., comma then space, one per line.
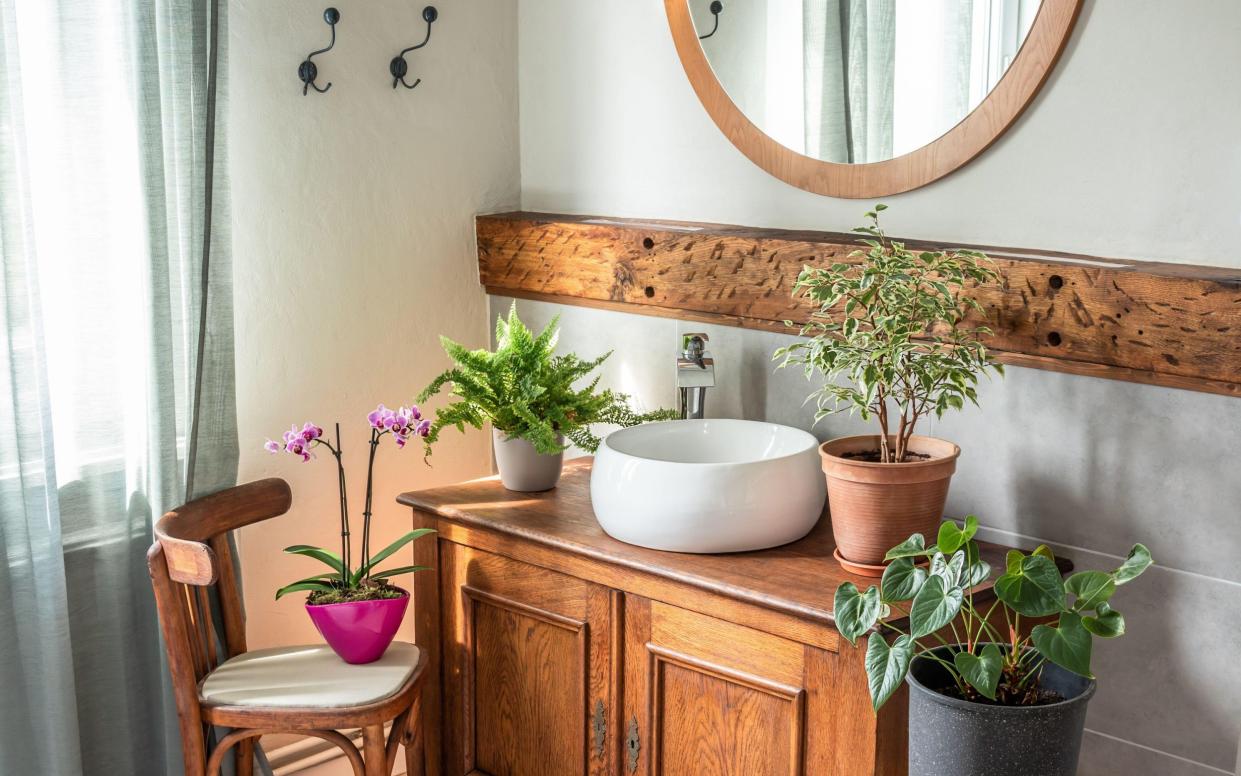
x=708, y=486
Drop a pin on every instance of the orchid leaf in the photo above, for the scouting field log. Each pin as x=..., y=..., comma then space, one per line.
x=386, y=573
x=387, y=552
x=316, y=584
x=319, y=554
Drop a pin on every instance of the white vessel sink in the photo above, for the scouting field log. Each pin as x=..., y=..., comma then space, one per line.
x=708, y=485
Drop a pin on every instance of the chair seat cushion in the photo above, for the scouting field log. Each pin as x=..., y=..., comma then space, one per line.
x=308, y=676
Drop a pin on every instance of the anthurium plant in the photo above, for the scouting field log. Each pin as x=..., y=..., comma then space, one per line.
x=527, y=392
x=343, y=581
x=891, y=338
x=913, y=606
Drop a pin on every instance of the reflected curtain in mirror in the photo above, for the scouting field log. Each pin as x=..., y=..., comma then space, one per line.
x=104, y=122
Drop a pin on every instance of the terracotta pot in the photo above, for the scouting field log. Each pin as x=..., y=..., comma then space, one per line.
x=876, y=506
x=359, y=631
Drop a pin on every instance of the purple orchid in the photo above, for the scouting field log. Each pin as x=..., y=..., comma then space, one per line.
x=402, y=423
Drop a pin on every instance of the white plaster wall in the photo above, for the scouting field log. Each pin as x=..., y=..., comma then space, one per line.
x=354, y=250
x=1131, y=150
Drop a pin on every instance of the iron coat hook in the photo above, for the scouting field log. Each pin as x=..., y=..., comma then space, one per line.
x=398, y=67
x=715, y=8
x=307, y=70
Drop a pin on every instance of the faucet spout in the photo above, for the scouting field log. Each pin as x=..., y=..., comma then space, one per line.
x=695, y=374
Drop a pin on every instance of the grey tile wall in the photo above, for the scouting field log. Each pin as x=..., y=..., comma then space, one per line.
x=1087, y=465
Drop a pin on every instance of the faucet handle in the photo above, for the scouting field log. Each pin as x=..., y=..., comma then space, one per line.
x=688, y=344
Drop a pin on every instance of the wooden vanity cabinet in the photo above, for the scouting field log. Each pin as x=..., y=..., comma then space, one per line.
x=555, y=650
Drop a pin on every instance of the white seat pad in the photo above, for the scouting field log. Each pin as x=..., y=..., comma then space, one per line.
x=310, y=676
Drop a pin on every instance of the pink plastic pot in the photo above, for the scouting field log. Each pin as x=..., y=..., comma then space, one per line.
x=359, y=631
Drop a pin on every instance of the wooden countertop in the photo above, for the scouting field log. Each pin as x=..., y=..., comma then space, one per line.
x=798, y=578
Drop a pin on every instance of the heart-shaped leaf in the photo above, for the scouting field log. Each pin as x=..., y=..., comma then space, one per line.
x=1139, y=560
x=914, y=546
x=886, y=666
x=901, y=580
x=982, y=671
x=951, y=538
x=1091, y=588
x=934, y=607
x=951, y=570
x=1034, y=588
x=1045, y=552
x=1107, y=622
x=856, y=612
x=1067, y=645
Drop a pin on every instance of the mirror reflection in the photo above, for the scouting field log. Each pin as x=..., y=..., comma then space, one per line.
x=854, y=81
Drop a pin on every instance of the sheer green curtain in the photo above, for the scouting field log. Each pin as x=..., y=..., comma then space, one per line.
x=116, y=361
x=849, y=73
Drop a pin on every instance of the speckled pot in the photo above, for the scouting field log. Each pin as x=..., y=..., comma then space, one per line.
x=952, y=736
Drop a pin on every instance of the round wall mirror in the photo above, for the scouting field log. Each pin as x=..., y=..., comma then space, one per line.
x=865, y=98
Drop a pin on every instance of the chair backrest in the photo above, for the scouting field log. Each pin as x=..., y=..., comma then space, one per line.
x=190, y=563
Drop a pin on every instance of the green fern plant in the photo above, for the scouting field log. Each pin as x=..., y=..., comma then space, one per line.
x=527, y=392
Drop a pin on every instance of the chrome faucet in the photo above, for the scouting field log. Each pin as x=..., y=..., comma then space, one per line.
x=695, y=374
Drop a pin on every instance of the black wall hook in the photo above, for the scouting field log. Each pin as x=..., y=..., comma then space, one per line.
x=715, y=8
x=398, y=67
x=307, y=70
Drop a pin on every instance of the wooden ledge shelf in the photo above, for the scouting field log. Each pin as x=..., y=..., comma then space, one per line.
x=1157, y=323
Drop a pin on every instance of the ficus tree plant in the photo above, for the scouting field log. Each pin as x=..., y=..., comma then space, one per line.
x=894, y=324
x=342, y=581
x=990, y=657
x=526, y=391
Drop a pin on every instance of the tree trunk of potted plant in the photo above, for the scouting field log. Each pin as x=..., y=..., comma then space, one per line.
x=952, y=736
x=874, y=506
x=523, y=468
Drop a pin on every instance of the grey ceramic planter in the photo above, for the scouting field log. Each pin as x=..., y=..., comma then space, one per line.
x=522, y=468
x=952, y=736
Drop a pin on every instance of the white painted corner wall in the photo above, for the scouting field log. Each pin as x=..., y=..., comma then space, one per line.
x=353, y=245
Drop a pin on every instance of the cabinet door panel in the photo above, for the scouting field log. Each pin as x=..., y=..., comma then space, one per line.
x=710, y=698
x=526, y=658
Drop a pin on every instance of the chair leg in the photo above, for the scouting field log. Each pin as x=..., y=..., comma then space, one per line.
x=245, y=758
x=415, y=764
x=375, y=753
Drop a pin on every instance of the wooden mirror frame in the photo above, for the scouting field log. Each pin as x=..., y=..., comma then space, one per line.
x=979, y=129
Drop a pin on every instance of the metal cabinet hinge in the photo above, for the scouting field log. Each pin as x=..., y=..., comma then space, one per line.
x=632, y=745
x=599, y=726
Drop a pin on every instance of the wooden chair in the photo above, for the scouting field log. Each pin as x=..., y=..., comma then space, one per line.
x=302, y=690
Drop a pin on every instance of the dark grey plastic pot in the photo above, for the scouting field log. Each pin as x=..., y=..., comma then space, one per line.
x=522, y=468
x=952, y=736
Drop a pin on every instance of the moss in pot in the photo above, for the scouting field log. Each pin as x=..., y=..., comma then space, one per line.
x=891, y=341
x=998, y=699
x=527, y=394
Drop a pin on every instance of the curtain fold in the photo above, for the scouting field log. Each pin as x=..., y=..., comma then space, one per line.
x=104, y=124
x=850, y=68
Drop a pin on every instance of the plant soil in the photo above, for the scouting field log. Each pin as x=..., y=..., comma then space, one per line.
x=1005, y=696
x=875, y=456
x=372, y=592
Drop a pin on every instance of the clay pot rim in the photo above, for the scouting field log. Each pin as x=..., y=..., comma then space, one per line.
x=309, y=605
x=934, y=460
x=937, y=697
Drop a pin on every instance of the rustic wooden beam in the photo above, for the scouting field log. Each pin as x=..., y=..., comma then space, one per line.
x=1157, y=323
